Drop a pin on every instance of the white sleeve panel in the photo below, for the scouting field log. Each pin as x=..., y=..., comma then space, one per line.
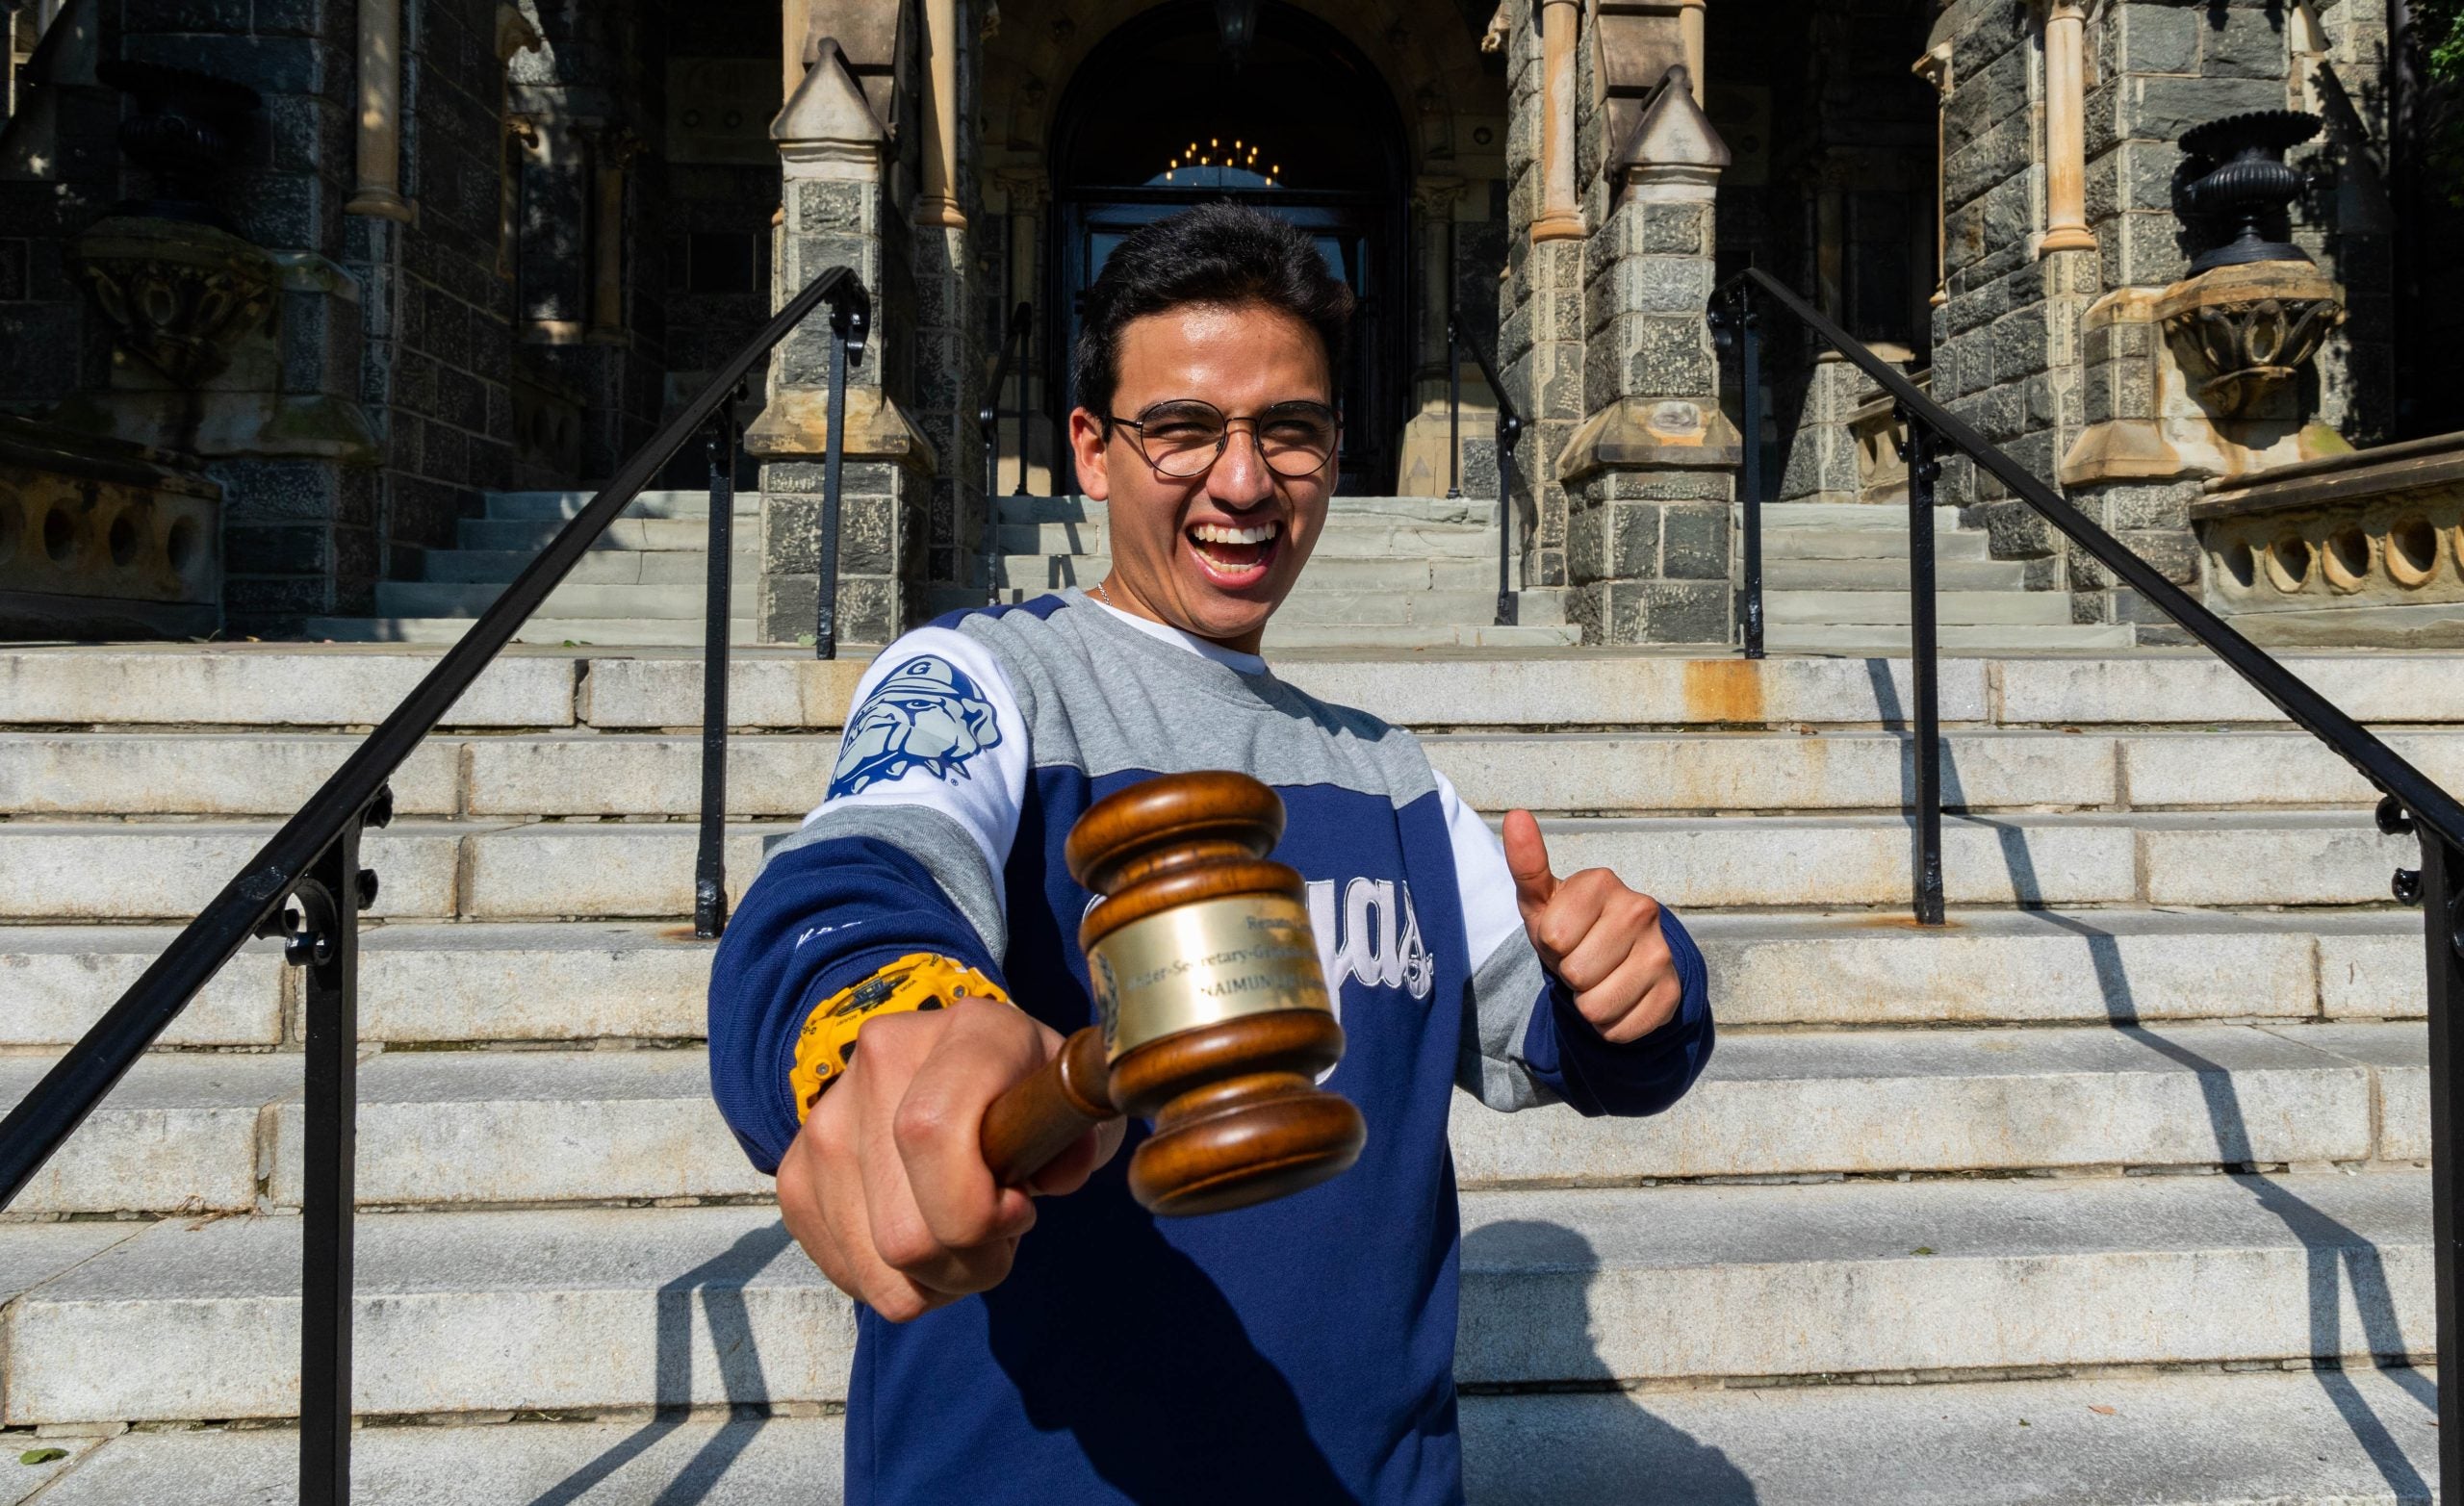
x=1490, y=916
x=935, y=724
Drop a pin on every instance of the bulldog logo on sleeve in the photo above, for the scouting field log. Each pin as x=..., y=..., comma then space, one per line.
x=926, y=715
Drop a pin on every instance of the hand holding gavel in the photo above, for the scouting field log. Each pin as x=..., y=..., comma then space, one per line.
x=908, y=1184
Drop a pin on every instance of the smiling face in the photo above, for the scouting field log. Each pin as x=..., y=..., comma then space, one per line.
x=1214, y=554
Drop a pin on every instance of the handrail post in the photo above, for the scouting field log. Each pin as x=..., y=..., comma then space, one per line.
x=2443, y=907
x=849, y=315
x=1749, y=344
x=1453, y=414
x=2437, y=886
x=1509, y=429
x=710, y=864
x=1025, y=316
x=1923, y=468
x=323, y=940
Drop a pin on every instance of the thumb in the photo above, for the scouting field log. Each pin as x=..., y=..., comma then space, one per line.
x=1526, y=857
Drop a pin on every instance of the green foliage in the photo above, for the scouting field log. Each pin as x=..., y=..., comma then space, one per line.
x=2442, y=34
x=2439, y=25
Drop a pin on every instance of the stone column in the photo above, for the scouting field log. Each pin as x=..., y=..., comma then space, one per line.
x=613, y=152
x=938, y=204
x=1934, y=68
x=1560, y=215
x=1689, y=31
x=2065, y=129
x=515, y=35
x=835, y=154
x=379, y=190
x=1649, y=474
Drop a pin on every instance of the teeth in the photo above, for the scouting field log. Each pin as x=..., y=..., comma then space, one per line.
x=1217, y=533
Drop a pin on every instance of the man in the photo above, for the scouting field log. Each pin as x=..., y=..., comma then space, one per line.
x=1075, y=1349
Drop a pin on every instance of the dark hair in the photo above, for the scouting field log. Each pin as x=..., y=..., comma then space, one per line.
x=1216, y=253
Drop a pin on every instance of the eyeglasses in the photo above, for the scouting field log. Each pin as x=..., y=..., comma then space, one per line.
x=1184, y=439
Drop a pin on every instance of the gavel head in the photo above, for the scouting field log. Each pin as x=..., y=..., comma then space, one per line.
x=1213, y=1003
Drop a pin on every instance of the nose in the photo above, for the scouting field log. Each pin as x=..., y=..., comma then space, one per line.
x=1240, y=478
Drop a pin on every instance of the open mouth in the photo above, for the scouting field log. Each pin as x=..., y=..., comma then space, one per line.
x=1235, y=556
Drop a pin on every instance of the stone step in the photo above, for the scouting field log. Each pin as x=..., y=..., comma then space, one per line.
x=99, y=871
x=1369, y=539
x=669, y=601
x=115, y=871
x=1340, y=511
x=1866, y=516
x=646, y=981
x=534, y=506
x=634, y=687
x=2240, y=858
x=201, y=1132
x=626, y=633
x=782, y=774
x=1953, y=608
x=1323, y=574
x=597, y=566
x=185, y=1318
x=1951, y=576
x=529, y=535
x=1798, y=543
x=1866, y=641
x=1420, y=635
x=1475, y=607
x=2358, y=1438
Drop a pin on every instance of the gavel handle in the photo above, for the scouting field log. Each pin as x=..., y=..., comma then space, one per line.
x=1043, y=1116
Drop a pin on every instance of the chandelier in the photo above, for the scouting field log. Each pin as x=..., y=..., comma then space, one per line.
x=1208, y=161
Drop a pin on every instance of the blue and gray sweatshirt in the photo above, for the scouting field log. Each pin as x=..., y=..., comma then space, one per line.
x=1301, y=1350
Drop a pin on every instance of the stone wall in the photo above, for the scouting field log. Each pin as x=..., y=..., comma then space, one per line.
x=2032, y=347
x=437, y=313
x=1539, y=319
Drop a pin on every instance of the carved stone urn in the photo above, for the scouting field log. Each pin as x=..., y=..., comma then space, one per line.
x=2255, y=309
x=2236, y=187
x=183, y=129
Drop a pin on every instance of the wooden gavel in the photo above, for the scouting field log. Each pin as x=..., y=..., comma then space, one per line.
x=1213, y=1020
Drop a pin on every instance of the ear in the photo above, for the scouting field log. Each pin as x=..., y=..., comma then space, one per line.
x=1088, y=448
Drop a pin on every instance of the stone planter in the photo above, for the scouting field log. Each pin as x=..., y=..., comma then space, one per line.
x=2360, y=550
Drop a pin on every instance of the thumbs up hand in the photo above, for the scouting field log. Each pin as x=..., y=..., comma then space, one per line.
x=1600, y=938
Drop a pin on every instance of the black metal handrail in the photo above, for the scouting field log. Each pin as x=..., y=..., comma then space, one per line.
x=1509, y=428
x=2412, y=806
x=306, y=884
x=2304, y=707
x=987, y=424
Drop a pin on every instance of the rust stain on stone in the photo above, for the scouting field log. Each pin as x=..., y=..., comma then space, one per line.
x=1723, y=690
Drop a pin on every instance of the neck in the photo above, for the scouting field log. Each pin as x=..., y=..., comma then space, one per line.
x=1118, y=595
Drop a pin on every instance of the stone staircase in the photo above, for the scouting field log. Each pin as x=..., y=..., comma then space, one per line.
x=1391, y=573
x=645, y=581
x=1388, y=572
x=1834, y=579
x=2111, y=1191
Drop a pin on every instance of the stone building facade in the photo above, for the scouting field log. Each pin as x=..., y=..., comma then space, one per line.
x=490, y=242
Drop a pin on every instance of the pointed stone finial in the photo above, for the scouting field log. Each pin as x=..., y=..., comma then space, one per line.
x=1674, y=132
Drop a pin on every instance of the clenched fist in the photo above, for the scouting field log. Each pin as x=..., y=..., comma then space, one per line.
x=1600, y=938
x=885, y=1188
